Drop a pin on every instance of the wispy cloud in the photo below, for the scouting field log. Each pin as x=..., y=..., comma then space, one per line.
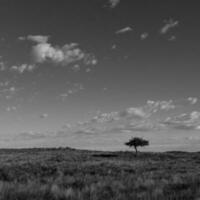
x=86, y=131
x=169, y=24
x=138, y=126
x=67, y=126
x=35, y=38
x=124, y=30
x=73, y=89
x=8, y=91
x=141, y=119
x=31, y=135
x=184, y=121
x=136, y=113
x=63, y=96
x=76, y=68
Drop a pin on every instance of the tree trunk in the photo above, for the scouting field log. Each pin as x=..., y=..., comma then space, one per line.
x=136, y=152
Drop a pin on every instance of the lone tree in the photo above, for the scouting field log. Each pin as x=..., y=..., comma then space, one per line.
x=137, y=142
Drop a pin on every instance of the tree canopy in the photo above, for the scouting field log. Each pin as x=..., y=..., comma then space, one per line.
x=136, y=142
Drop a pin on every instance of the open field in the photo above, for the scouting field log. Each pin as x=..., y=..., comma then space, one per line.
x=64, y=173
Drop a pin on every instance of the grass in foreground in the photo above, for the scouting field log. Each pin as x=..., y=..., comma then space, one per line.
x=61, y=174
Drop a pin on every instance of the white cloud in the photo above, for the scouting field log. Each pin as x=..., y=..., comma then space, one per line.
x=105, y=117
x=64, y=96
x=167, y=105
x=172, y=38
x=124, y=30
x=89, y=59
x=23, y=68
x=114, y=46
x=11, y=108
x=195, y=115
x=71, y=91
x=4, y=83
x=69, y=53
x=169, y=24
x=2, y=66
x=44, y=51
x=88, y=70
x=44, y=115
x=113, y=3
x=155, y=106
x=192, y=100
x=12, y=89
x=144, y=36
x=9, y=91
x=193, y=138
x=170, y=104
x=67, y=126
x=76, y=68
x=134, y=112
x=105, y=89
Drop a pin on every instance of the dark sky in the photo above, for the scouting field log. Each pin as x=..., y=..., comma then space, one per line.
x=66, y=66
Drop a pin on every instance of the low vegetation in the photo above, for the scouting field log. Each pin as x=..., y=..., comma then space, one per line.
x=64, y=173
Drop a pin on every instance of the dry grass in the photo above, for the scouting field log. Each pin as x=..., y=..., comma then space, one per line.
x=61, y=174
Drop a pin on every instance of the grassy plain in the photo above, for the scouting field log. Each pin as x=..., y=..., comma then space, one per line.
x=64, y=173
